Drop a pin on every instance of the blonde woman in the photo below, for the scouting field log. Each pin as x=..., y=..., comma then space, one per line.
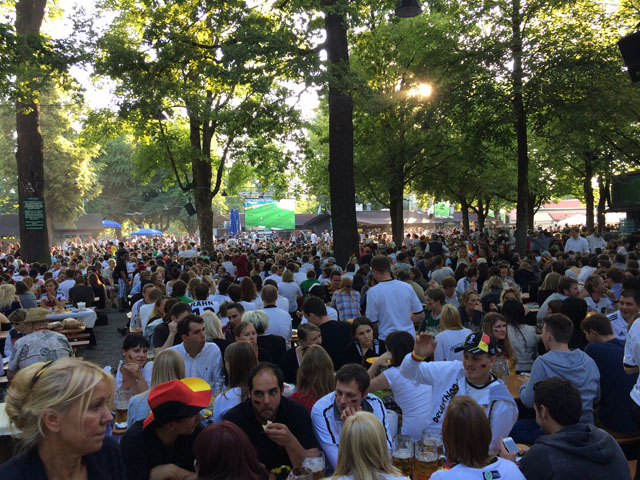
x=346, y=300
x=363, y=452
x=9, y=301
x=452, y=335
x=62, y=410
x=168, y=365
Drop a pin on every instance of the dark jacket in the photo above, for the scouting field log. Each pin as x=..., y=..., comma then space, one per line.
x=581, y=452
x=105, y=464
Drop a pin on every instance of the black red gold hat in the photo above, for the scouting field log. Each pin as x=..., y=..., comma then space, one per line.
x=178, y=399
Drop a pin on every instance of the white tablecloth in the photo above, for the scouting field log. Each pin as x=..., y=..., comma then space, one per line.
x=88, y=316
x=4, y=422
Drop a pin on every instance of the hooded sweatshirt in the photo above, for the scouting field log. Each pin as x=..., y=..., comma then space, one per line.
x=577, y=367
x=580, y=452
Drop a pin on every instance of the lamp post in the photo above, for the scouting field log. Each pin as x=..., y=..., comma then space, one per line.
x=408, y=9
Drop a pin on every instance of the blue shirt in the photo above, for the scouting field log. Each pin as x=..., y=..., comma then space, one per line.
x=615, y=385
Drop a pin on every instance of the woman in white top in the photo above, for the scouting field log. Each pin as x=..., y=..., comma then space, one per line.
x=290, y=290
x=363, y=452
x=239, y=359
x=134, y=372
x=466, y=435
x=452, y=335
x=523, y=337
x=412, y=397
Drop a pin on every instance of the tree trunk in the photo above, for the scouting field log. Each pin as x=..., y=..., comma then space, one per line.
x=341, y=182
x=201, y=169
x=30, y=152
x=520, y=119
x=531, y=208
x=396, y=213
x=464, y=207
x=603, y=191
x=588, y=188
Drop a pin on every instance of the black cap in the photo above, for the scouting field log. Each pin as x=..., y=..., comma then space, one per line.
x=477, y=343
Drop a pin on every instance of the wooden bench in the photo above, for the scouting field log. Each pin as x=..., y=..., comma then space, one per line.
x=626, y=443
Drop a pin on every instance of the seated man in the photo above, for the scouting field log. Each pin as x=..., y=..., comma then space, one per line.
x=351, y=396
x=628, y=311
x=161, y=446
x=607, y=351
x=569, y=449
x=559, y=361
x=81, y=292
x=472, y=376
x=336, y=335
x=202, y=359
x=279, y=428
x=38, y=344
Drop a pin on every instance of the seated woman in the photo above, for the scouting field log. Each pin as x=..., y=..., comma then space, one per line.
x=274, y=344
x=9, y=301
x=315, y=377
x=239, y=359
x=412, y=397
x=494, y=325
x=491, y=291
x=471, y=310
x=452, y=335
x=51, y=297
x=246, y=332
x=466, y=435
x=168, y=365
x=62, y=410
x=25, y=296
x=363, y=453
x=523, y=337
x=364, y=344
x=213, y=331
x=99, y=291
x=308, y=334
x=134, y=371
x=346, y=300
x=223, y=451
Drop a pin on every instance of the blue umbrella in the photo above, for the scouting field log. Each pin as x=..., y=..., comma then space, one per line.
x=110, y=224
x=146, y=232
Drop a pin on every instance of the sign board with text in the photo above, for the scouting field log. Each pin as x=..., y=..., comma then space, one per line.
x=33, y=211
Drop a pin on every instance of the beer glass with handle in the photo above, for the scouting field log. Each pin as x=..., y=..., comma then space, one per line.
x=314, y=461
x=403, y=454
x=426, y=460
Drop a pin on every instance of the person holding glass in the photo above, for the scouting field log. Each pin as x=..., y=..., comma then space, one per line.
x=466, y=434
x=62, y=410
x=363, y=452
x=494, y=325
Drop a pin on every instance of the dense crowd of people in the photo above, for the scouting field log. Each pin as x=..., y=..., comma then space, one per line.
x=266, y=356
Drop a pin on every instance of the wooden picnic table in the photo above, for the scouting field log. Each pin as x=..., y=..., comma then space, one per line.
x=513, y=384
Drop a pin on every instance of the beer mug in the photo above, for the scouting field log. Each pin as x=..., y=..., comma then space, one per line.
x=403, y=454
x=501, y=368
x=300, y=473
x=314, y=461
x=121, y=401
x=429, y=437
x=426, y=460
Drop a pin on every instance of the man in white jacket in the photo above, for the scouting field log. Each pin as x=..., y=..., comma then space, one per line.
x=472, y=376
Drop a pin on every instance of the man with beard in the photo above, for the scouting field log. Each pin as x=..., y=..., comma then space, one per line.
x=279, y=428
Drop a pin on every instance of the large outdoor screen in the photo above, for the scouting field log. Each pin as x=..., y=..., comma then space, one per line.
x=625, y=191
x=270, y=214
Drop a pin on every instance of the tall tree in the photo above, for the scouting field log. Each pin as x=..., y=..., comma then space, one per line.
x=224, y=65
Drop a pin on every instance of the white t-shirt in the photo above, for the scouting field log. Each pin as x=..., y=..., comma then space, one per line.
x=502, y=469
x=448, y=341
x=578, y=245
x=448, y=380
x=413, y=399
x=200, y=306
x=391, y=304
x=146, y=373
x=619, y=325
x=145, y=313
x=632, y=356
x=279, y=323
x=225, y=402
